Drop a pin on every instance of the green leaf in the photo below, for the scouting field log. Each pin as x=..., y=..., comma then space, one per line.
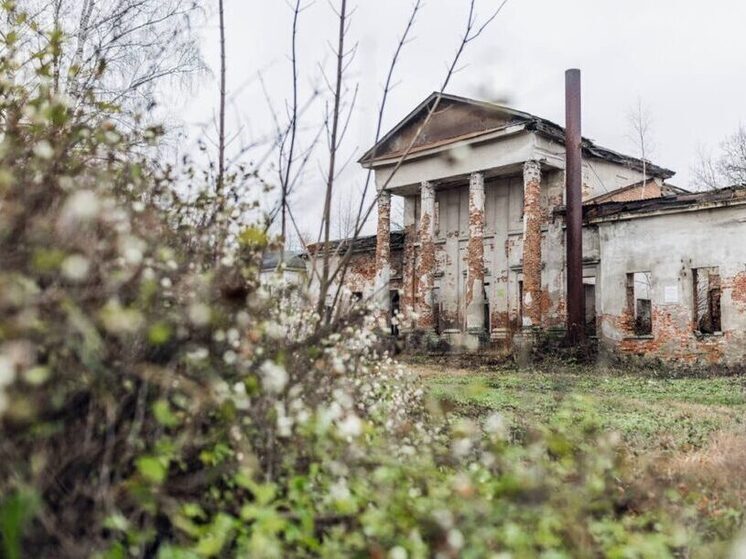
x=164, y=415
x=16, y=511
x=47, y=259
x=216, y=537
x=170, y=552
x=36, y=376
x=159, y=333
x=253, y=238
x=117, y=522
x=152, y=468
x=121, y=320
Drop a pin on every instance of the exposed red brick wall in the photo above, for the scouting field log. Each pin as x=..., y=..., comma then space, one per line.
x=361, y=273
x=426, y=261
x=383, y=232
x=409, y=277
x=475, y=247
x=532, y=219
x=651, y=190
x=738, y=290
x=673, y=338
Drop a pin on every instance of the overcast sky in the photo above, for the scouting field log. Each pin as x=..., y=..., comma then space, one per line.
x=685, y=59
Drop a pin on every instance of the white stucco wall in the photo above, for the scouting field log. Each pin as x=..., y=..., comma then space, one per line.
x=670, y=246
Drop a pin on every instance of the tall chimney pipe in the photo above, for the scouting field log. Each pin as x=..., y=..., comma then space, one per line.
x=574, y=203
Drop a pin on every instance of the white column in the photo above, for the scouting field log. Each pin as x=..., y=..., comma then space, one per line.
x=475, y=256
x=426, y=264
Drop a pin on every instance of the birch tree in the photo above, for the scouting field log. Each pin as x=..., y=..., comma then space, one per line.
x=727, y=167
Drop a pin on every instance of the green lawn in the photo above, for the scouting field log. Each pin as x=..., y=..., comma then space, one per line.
x=684, y=433
x=649, y=412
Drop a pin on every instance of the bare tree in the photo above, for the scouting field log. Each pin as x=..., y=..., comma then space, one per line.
x=334, y=119
x=472, y=31
x=329, y=265
x=732, y=163
x=640, y=123
x=292, y=132
x=121, y=49
x=728, y=168
x=221, y=124
x=705, y=171
x=344, y=215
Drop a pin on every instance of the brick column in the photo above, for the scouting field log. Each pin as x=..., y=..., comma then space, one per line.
x=426, y=264
x=532, y=244
x=409, y=280
x=383, y=253
x=475, y=256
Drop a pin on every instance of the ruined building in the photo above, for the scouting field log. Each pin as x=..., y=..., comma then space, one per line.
x=481, y=257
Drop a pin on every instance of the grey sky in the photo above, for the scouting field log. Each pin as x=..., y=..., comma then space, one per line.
x=686, y=60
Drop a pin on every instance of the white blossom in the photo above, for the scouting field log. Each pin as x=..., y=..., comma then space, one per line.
x=199, y=314
x=81, y=205
x=44, y=150
x=274, y=330
x=7, y=370
x=75, y=267
x=132, y=249
x=339, y=490
x=455, y=538
x=274, y=376
x=495, y=425
x=198, y=354
x=230, y=357
x=461, y=447
x=351, y=426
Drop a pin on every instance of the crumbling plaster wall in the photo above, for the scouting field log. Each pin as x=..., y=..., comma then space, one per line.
x=503, y=254
x=669, y=246
x=459, y=159
x=599, y=176
x=361, y=275
x=503, y=211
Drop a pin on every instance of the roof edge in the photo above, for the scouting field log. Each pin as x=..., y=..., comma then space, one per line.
x=534, y=123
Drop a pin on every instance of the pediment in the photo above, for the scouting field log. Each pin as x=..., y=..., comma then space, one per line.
x=454, y=118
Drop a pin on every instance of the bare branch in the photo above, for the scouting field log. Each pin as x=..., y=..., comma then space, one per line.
x=468, y=35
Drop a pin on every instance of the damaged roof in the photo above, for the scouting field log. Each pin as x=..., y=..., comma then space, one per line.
x=362, y=244
x=678, y=202
x=666, y=189
x=460, y=118
x=292, y=260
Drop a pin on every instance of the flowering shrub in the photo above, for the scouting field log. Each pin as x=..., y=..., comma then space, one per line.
x=154, y=403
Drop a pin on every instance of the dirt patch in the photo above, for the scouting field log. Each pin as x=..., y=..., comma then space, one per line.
x=457, y=364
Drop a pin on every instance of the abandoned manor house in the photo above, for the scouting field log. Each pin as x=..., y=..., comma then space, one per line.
x=482, y=255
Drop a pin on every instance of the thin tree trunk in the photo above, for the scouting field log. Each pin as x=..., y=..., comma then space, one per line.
x=293, y=129
x=221, y=125
x=332, y=158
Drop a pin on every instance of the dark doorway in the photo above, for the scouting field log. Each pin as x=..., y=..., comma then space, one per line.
x=590, y=309
x=394, y=305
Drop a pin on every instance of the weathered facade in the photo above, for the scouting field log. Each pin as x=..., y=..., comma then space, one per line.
x=482, y=254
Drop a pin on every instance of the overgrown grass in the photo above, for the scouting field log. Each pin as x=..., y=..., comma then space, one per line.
x=649, y=412
x=682, y=433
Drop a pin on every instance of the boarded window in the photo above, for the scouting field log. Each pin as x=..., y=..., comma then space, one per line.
x=639, y=303
x=706, y=300
x=590, y=308
x=520, y=301
x=437, y=306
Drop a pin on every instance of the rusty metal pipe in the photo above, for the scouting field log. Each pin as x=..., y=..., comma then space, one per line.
x=574, y=203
